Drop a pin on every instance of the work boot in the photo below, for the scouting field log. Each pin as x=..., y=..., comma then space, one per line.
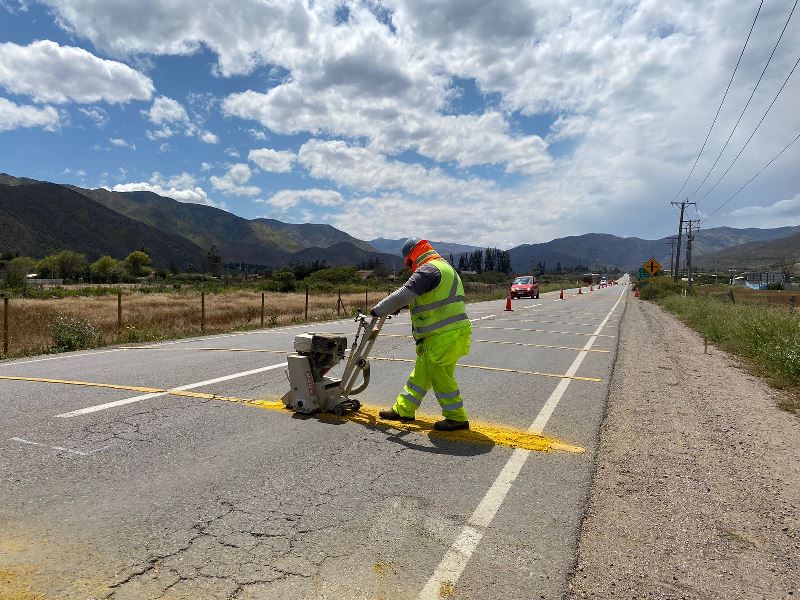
x=450, y=425
x=390, y=415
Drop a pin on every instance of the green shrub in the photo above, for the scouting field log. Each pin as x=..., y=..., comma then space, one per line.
x=659, y=287
x=72, y=333
x=281, y=281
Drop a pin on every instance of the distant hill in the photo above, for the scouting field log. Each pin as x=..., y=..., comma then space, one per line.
x=444, y=248
x=630, y=253
x=345, y=253
x=44, y=218
x=773, y=254
x=257, y=241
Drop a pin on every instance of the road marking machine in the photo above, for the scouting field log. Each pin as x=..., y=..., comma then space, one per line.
x=311, y=390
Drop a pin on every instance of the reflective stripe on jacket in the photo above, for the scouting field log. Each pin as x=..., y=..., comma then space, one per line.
x=441, y=309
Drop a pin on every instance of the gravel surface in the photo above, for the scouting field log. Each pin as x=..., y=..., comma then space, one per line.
x=696, y=492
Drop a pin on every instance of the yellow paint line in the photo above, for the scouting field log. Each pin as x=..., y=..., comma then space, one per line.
x=479, y=433
x=584, y=324
x=500, y=369
x=396, y=335
x=546, y=331
x=205, y=349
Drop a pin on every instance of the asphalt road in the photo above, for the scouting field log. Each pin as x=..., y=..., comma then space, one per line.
x=172, y=496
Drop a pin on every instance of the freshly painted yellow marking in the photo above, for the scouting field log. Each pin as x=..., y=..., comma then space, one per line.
x=184, y=349
x=551, y=322
x=479, y=432
x=509, y=343
x=546, y=331
x=502, y=370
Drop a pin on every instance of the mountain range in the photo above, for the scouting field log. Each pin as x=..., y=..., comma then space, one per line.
x=39, y=218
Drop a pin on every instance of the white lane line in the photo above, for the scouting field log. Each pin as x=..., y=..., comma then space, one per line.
x=482, y=318
x=57, y=448
x=59, y=357
x=190, y=386
x=458, y=555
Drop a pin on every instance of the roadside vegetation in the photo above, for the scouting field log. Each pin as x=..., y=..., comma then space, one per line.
x=762, y=327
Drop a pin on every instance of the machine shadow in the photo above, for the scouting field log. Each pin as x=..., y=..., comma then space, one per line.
x=465, y=442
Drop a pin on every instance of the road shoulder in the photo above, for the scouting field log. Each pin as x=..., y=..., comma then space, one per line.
x=696, y=492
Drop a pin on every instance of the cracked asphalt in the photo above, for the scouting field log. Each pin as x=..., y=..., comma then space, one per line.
x=178, y=497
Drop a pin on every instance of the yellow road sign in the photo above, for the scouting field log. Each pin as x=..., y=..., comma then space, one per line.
x=652, y=266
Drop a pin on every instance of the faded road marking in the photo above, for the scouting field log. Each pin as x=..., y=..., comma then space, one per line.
x=57, y=448
x=500, y=369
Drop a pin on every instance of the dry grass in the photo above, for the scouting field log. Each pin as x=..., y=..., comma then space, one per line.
x=149, y=317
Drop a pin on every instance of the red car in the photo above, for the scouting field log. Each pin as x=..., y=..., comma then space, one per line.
x=526, y=285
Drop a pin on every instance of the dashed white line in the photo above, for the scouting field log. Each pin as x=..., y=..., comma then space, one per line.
x=458, y=555
x=190, y=386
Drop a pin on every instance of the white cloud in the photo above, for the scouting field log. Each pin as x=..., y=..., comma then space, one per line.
x=232, y=152
x=204, y=166
x=286, y=199
x=121, y=143
x=209, y=138
x=79, y=173
x=257, y=134
x=182, y=187
x=273, y=161
x=14, y=116
x=166, y=111
x=234, y=181
x=580, y=116
x=96, y=114
x=48, y=72
x=779, y=214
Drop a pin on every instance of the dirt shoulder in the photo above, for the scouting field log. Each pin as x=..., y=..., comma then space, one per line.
x=697, y=486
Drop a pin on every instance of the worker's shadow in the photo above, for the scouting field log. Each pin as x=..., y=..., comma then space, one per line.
x=465, y=442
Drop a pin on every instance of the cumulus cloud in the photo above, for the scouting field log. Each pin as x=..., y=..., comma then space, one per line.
x=97, y=115
x=122, y=143
x=209, y=138
x=779, y=214
x=286, y=199
x=273, y=161
x=166, y=111
x=587, y=112
x=182, y=187
x=15, y=116
x=48, y=72
x=234, y=182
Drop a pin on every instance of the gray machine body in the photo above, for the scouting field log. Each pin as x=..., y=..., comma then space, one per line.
x=310, y=388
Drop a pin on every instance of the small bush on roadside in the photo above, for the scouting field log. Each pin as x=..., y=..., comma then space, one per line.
x=72, y=333
x=660, y=287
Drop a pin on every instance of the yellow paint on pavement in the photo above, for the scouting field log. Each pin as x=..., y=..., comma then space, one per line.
x=396, y=335
x=184, y=349
x=545, y=331
x=500, y=369
x=479, y=433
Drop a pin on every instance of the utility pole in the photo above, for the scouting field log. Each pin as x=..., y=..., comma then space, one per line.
x=689, y=239
x=683, y=204
x=671, y=241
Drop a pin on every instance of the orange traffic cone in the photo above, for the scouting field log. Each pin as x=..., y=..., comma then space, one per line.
x=561, y=295
x=508, y=304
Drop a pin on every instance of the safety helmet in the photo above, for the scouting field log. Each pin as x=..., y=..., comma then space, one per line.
x=408, y=245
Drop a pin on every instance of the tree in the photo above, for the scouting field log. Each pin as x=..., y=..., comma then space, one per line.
x=17, y=270
x=47, y=268
x=70, y=264
x=105, y=268
x=452, y=260
x=137, y=263
x=489, y=260
x=213, y=261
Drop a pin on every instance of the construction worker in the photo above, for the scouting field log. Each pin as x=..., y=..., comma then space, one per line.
x=435, y=295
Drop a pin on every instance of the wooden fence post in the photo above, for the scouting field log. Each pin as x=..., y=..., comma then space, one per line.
x=339, y=304
x=119, y=310
x=262, y=309
x=306, y=304
x=202, y=312
x=366, y=299
x=5, y=325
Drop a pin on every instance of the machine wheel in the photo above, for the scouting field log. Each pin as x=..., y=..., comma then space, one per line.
x=356, y=405
x=537, y=297
x=339, y=410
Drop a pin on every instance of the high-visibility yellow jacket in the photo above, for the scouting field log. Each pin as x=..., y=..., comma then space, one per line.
x=442, y=309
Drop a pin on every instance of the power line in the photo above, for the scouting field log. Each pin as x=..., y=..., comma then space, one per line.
x=741, y=115
x=725, y=95
x=749, y=181
x=713, y=187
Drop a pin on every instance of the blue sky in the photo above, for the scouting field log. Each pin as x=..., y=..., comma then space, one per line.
x=477, y=122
